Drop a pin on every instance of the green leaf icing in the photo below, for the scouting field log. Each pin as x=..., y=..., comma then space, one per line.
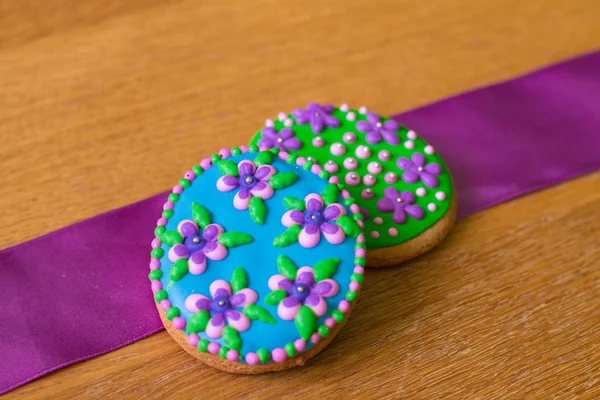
x=239, y=280
x=234, y=239
x=282, y=180
x=292, y=203
x=178, y=270
x=227, y=167
x=171, y=238
x=231, y=337
x=200, y=215
x=275, y=297
x=288, y=237
x=198, y=322
x=286, y=267
x=349, y=226
x=258, y=210
x=264, y=157
x=325, y=269
x=330, y=194
x=306, y=322
x=255, y=312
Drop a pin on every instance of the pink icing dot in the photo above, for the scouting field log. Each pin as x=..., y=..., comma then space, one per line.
x=369, y=180
x=374, y=167
x=361, y=238
x=384, y=155
x=344, y=306
x=362, y=110
x=431, y=207
x=244, y=148
x=283, y=155
x=421, y=192
x=360, y=252
x=345, y=193
x=155, y=263
x=314, y=339
x=162, y=221
x=155, y=243
x=269, y=123
x=359, y=269
x=354, y=208
x=337, y=149
x=374, y=234
x=409, y=144
x=252, y=358
x=334, y=180
x=168, y=205
x=351, y=116
x=349, y=137
x=177, y=189
x=233, y=355
x=213, y=348
x=225, y=153
x=354, y=286
x=393, y=232
x=411, y=135
x=282, y=116
x=440, y=196
x=429, y=149
x=288, y=122
x=193, y=340
x=279, y=355
x=189, y=175
x=206, y=163
x=156, y=286
x=165, y=304
x=363, y=152
x=300, y=161
x=330, y=322
x=300, y=344
x=344, y=107
x=378, y=220
x=179, y=323
x=391, y=177
x=361, y=224
x=352, y=179
x=350, y=163
x=331, y=166
x=367, y=194
x=318, y=141
x=315, y=169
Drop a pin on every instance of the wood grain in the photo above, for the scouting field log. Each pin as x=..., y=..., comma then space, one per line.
x=106, y=102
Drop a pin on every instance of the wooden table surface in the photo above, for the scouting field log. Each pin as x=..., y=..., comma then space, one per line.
x=95, y=92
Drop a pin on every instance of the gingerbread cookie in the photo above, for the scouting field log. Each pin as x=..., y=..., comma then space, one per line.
x=257, y=260
x=401, y=184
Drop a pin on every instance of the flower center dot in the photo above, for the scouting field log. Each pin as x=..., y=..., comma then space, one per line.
x=399, y=200
x=279, y=140
x=378, y=124
x=196, y=240
x=420, y=168
x=248, y=180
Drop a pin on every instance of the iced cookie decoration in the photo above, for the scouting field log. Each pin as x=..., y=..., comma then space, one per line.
x=257, y=260
x=399, y=181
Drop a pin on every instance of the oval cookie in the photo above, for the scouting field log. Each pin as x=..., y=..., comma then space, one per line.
x=401, y=184
x=257, y=260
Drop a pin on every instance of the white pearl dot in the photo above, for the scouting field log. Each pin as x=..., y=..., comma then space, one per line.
x=351, y=116
x=411, y=135
x=431, y=207
x=429, y=149
x=409, y=144
x=344, y=107
x=281, y=116
x=440, y=196
x=362, y=110
x=288, y=122
x=269, y=123
x=421, y=192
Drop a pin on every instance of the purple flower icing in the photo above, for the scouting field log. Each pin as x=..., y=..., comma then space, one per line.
x=376, y=130
x=198, y=245
x=399, y=204
x=417, y=169
x=252, y=181
x=283, y=140
x=303, y=291
x=319, y=117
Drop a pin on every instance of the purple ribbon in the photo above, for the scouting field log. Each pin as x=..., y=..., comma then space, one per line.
x=82, y=291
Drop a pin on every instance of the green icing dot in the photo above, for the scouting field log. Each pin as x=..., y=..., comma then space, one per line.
x=290, y=349
x=215, y=158
x=157, y=252
x=349, y=201
x=360, y=246
x=236, y=151
x=357, y=278
x=337, y=315
x=223, y=351
x=155, y=274
x=203, y=345
x=198, y=170
x=350, y=295
x=275, y=151
x=174, y=197
x=358, y=217
x=323, y=331
x=185, y=183
x=360, y=261
x=167, y=214
x=173, y=312
x=308, y=165
x=264, y=355
x=324, y=175
x=160, y=295
x=253, y=148
x=292, y=158
x=159, y=231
